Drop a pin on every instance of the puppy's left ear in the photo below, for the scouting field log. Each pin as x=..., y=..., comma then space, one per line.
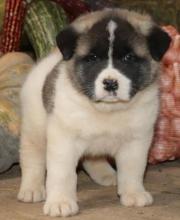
x=66, y=41
x=158, y=42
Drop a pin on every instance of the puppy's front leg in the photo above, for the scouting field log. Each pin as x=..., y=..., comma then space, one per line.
x=62, y=159
x=131, y=163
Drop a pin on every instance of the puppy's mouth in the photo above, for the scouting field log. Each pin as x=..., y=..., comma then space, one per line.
x=111, y=98
x=112, y=89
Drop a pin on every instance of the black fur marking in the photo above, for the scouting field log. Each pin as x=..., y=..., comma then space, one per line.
x=66, y=41
x=48, y=90
x=136, y=68
x=89, y=66
x=158, y=42
x=87, y=73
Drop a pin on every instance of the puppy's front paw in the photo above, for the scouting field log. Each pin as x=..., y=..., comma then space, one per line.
x=64, y=208
x=33, y=194
x=140, y=199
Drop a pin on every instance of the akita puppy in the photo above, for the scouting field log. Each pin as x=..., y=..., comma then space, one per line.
x=99, y=96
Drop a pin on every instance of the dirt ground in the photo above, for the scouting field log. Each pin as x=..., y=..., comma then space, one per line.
x=98, y=202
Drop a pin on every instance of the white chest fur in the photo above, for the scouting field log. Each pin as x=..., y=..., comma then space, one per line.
x=103, y=128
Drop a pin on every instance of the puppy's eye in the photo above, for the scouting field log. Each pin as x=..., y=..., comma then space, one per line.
x=91, y=57
x=129, y=57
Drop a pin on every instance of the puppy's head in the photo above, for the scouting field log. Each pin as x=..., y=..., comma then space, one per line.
x=113, y=54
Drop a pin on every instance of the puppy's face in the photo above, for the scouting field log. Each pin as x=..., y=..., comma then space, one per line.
x=112, y=59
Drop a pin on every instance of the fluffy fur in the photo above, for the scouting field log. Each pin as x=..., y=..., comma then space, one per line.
x=67, y=112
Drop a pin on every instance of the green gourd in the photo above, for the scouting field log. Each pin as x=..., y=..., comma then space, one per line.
x=43, y=21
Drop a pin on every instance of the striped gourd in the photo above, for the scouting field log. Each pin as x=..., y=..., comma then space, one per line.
x=44, y=19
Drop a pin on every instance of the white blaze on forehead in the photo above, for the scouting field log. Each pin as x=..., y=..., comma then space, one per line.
x=124, y=84
x=111, y=27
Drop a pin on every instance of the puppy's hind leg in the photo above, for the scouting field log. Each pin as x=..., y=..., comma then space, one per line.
x=100, y=171
x=32, y=161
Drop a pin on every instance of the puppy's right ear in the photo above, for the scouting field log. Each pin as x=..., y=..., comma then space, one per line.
x=67, y=41
x=158, y=42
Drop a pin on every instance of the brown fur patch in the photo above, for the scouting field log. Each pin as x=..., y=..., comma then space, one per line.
x=141, y=22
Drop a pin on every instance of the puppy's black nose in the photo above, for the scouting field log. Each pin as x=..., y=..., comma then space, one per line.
x=111, y=85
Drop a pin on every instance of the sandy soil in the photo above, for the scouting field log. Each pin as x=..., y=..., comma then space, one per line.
x=97, y=202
